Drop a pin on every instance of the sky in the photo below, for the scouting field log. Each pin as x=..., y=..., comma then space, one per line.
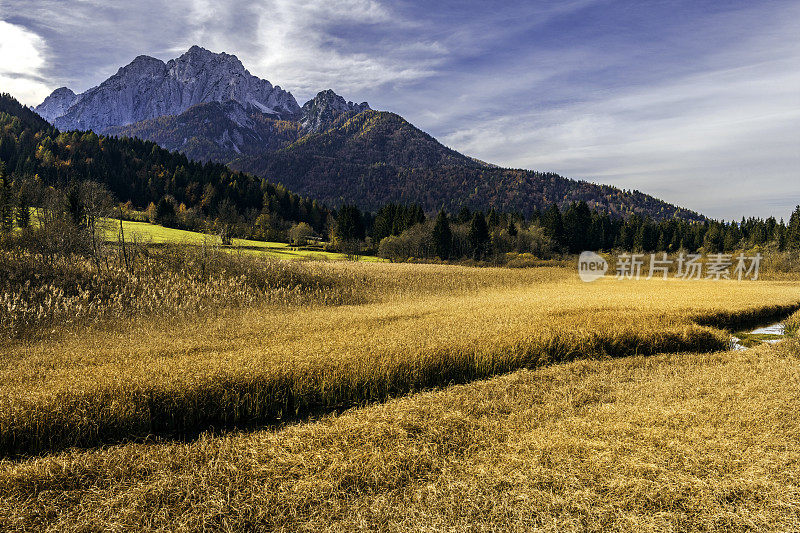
x=696, y=102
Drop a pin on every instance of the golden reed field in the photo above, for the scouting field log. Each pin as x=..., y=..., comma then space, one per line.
x=427, y=397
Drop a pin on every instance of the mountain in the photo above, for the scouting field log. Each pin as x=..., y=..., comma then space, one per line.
x=215, y=131
x=57, y=104
x=148, y=88
x=321, y=111
x=210, y=108
x=141, y=172
x=376, y=157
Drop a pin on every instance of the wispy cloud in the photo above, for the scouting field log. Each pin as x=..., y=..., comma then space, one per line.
x=21, y=62
x=349, y=45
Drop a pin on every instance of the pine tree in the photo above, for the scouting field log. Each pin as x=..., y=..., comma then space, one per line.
x=464, y=215
x=793, y=231
x=553, y=224
x=23, y=212
x=75, y=205
x=349, y=226
x=493, y=220
x=442, y=236
x=512, y=227
x=478, y=235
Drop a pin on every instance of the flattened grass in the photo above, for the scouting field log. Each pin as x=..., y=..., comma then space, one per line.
x=683, y=442
x=432, y=325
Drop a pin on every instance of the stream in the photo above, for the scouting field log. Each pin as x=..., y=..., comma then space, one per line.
x=748, y=339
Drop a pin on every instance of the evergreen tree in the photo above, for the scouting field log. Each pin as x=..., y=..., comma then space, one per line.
x=464, y=215
x=165, y=212
x=793, y=231
x=349, y=225
x=577, y=224
x=478, y=236
x=493, y=220
x=23, y=212
x=384, y=221
x=6, y=202
x=512, y=227
x=553, y=224
x=75, y=205
x=442, y=236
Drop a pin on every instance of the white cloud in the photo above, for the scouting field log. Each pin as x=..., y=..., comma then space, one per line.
x=721, y=139
x=21, y=61
x=309, y=46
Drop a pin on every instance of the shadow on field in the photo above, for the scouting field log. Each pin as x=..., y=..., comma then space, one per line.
x=270, y=399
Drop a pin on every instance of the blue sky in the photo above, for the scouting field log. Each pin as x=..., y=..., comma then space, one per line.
x=696, y=102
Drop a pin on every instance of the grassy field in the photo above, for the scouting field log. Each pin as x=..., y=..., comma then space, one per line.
x=579, y=431
x=154, y=234
x=425, y=325
x=683, y=442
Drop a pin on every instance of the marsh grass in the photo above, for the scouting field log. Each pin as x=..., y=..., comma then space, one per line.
x=792, y=325
x=421, y=326
x=47, y=294
x=682, y=442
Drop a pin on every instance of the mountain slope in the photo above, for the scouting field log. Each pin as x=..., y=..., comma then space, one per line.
x=148, y=88
x=224, y=131
x=16, y=117
x=377, y=157
x=321, y=112
x=57, y=104
x=215, y=131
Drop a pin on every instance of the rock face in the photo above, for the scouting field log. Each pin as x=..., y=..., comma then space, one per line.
x=56, y=104
x=215, y=131
x=226, y=130
x=148, y=88
x=321, y=111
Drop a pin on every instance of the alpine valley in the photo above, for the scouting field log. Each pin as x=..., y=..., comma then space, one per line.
x=211, y=108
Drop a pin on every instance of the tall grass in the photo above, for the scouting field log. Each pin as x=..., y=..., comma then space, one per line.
x=792, y=325
x=682, y=442
x=430, y=325
x=47, y=294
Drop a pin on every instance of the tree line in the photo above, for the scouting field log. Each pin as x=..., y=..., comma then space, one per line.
x=43, y=167
x=402, y=232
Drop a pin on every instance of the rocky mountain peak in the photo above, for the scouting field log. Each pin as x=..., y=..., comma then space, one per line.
x=56, y=104
x=325, y=107
x=148, y=88
x=197, y=60
x=142, y=66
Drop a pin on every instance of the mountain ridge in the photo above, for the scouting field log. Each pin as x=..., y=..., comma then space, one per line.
x=209, y=107
x=148, y=88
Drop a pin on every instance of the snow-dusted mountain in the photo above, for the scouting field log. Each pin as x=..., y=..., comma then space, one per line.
x=148, y=88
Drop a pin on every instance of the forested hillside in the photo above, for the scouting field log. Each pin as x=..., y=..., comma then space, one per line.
x=377, y=157
x=140, y=171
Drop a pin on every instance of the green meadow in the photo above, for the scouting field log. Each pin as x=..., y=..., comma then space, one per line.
x=146, y=233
